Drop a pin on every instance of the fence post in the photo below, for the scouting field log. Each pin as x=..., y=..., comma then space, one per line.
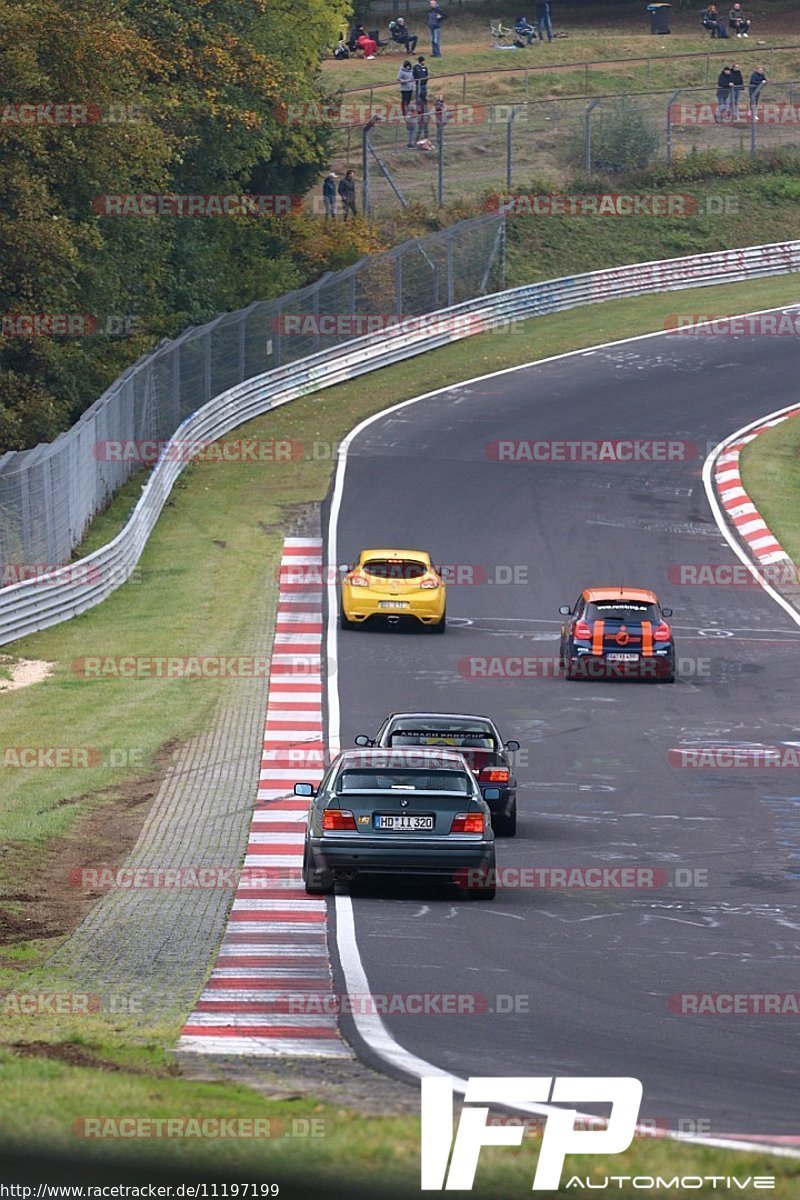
x=206, y=367
x=510, y=145
x=398, y=285
x=278, y=328
x=670, y=103
x=586, y=79
x=587, y=138
x=242, y=347
x=450, y=281
x=708, y=69
x=440, y=157
x=464, y=87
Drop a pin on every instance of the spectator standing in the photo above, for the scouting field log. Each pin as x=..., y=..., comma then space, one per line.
x=724, y=93
x=405, y=77
x=347, y=191
x=398, y=31
x=738, y=22
x=423, y=117
x=421, y=76
x=757, y=81
x=543, y=22
x=738, y=84
x=329, y=194
x=524, y=30
x=435, y=18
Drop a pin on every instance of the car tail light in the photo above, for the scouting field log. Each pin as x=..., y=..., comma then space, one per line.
x=429, y=583
x=583, y=631
x=358, y=580
x=467, y=823
x=662, y=632
x=494, y=775
x=338, y=818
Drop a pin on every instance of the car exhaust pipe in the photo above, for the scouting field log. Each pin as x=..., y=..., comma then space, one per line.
x=344, y=874
x=394, y=620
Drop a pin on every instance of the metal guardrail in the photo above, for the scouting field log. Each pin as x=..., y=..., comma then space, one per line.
x=38, y=603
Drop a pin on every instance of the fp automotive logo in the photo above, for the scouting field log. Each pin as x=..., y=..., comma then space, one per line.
x=560, y=1136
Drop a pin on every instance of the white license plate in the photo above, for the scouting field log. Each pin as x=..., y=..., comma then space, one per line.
x=622, y=657
x=393, y=604
x=392, y=821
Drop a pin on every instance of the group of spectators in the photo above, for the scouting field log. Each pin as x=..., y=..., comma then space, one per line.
x=729, y=90
x=738, y=22
x=359, y=39
x=346, y=192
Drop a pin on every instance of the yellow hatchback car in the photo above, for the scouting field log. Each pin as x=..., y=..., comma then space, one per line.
x=395, y=585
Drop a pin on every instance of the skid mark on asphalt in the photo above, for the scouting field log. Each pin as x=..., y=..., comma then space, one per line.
x=274, y=957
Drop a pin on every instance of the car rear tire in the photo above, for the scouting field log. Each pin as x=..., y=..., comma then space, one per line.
x=571, y=669
x=505, y=824
x=483, y=893
x=440, y=626
x=315, y=881
x=343, y=621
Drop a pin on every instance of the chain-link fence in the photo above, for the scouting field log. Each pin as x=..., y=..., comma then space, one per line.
x=49, y=494
x=416, y=156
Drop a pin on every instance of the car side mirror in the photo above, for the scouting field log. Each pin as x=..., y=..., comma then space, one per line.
x=304, y=789
x=512, y=745
x=491, y=793
x=361, y=739
x=565, y=610
x=666, y=612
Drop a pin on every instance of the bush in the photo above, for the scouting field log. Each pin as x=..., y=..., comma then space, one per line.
x=622, y=140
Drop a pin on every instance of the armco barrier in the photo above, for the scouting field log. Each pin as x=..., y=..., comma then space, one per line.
x=37, y=603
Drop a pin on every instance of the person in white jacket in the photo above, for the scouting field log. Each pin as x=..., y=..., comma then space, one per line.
x=405, y=77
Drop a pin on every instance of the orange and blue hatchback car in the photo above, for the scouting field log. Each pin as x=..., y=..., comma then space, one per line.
x=617, y=631
x=394, y=586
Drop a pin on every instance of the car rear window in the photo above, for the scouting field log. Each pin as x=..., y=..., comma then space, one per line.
x=394, y=568
x=621, y=610
x=468, y=739
x=403, y=780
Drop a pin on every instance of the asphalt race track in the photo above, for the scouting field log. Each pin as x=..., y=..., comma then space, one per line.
x=590, y=974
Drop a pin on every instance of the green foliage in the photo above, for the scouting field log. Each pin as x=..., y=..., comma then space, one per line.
x=201, y=88
x=622, y=139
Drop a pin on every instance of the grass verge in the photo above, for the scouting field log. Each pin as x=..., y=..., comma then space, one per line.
x=770, y=469
x=47, y=1103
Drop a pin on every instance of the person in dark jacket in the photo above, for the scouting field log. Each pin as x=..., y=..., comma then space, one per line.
x=435, y=18
x=543, y=22
x=329, y=194
x=399, y=32
x=738, y=84
x=347, y=191
x=405, y=77
x=421, y=76
x=757, y=81
x=709, y=18
x=724, y=94
x=738, y=22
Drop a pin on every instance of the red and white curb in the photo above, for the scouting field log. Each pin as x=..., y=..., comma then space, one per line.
x=740, y=511
x=271, y=990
